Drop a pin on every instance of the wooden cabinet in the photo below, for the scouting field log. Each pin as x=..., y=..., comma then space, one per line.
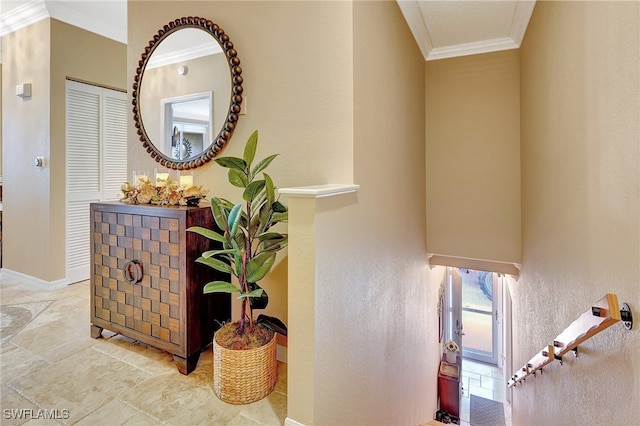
x=145, y=283
x=449, y=387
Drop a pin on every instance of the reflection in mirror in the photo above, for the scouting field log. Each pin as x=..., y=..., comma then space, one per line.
x=186, y=122
x=187, y=105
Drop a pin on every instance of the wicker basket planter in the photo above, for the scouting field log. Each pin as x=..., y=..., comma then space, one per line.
x=244, y=376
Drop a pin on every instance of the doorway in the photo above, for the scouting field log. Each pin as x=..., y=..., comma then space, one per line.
x=474, y=313
x=475, y=317
x=480, y=315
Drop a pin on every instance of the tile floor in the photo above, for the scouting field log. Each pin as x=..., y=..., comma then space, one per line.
x=52, y=367
x=482, y=380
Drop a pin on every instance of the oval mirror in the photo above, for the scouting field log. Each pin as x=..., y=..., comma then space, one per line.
x=187, y=93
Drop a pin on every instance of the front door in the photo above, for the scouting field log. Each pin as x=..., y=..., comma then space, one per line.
x=480, y=315
x=473, y=300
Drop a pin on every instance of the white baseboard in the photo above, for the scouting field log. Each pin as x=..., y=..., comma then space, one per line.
x=281, y=353
x=290, y=422
x=13, y=276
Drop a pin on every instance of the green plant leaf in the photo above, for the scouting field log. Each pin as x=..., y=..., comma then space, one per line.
x=258, y=302
x=265, y=212
x=215, y=264
x=279, y=217
x=219, y=287
x=258, y=267
x=255, y=293
x=219, y=213
x=263, y=164
x=255, y=223
x=258, y=202
x=233, y=219
x=271, y=236
x=270, y=189
x=278, y=207
x=272, y=245
x=210, y=253
x=252, y=190
x=205, y=232
x=237, y=178
x=232, y=163
x=250, y=148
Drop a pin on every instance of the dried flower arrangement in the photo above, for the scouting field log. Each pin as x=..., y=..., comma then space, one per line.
x=169, y=194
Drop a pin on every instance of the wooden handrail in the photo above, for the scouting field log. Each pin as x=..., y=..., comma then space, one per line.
x=603, y=314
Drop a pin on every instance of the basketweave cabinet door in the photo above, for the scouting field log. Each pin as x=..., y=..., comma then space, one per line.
x=146, y=284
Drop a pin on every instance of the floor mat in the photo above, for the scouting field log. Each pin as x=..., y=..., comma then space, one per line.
x=14, y=318
x=485, y=412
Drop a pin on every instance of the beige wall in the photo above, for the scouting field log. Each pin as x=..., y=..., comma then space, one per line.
x=85, y=56
x=376, y=322
x=581, y=209
x=319, y=96
x=296, y=66
x=44, y=54
x=473, y=157
x=26, y=134
x=297, y=79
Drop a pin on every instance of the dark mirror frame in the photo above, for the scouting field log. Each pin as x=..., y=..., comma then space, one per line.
x=226, y=130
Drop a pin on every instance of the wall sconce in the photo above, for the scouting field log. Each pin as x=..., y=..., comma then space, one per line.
x=183, y=70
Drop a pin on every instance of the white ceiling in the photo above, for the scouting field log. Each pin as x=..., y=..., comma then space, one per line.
x=446, y=29
x=105, y=17
x=442, y=29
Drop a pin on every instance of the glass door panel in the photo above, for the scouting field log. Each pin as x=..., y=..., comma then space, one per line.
x=479, y=315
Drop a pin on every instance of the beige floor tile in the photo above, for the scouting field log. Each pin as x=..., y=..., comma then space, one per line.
x=271, y=410
x=140, y=355
x=13, y=294
x=53, y=363
x=17, y=362
x=19, y=408
x=59, y=331
x=172, y=396
x=241, y=420
x=116, y=412
x=80, y=383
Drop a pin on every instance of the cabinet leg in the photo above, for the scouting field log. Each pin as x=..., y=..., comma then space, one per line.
x=96, y=331
x=186, y=365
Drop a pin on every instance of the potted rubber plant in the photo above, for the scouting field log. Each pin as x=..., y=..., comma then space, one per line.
x=245, y=366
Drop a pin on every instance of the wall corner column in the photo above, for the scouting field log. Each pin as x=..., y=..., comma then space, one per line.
x=301, y=350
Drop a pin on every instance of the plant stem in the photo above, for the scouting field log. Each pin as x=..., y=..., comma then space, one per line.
x=247, y=258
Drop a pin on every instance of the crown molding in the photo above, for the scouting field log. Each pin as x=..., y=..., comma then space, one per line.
x=37, y=10
x=106, y=28
x=474, y=48
x=183, y=55
x=411, y=12
x=521, y=16
x=23, y=16
x=413, y=16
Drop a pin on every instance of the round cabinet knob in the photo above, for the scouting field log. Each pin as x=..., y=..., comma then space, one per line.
x=132, y=271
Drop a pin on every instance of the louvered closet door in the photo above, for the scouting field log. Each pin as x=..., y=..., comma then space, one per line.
x=96, y=127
